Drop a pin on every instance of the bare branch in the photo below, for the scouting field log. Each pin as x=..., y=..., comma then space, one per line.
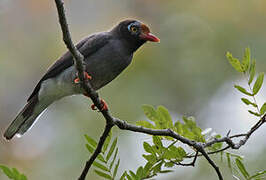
x=212, y=163
x=80, y=66
x=229, y=141
x=188, y=164
x=209, y=153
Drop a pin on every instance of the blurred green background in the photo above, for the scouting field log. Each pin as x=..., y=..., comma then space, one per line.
x=187, y=72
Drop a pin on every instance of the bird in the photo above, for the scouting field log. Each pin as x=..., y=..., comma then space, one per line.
x=106, y=55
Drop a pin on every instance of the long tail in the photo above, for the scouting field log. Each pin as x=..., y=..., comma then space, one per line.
x=25, y=118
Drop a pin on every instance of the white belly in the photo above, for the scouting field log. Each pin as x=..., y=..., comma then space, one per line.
x=56, y=88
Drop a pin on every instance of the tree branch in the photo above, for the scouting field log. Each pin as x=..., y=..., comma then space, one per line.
x=111, y=121
x=209, y=153
x=168, y=132
x=229, y=141
x=188, y=164
x=80, y=66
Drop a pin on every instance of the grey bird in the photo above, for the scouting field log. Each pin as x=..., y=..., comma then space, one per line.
x=106, y=55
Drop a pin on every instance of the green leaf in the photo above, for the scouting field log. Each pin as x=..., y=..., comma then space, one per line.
x=147, y=168
x=169, y=164
x=12, y=173
x=177, y=153
x=111, y=150
x=166, y=171
x=107, y=141
x=222, y=155
x=219, y=145
x=257, y=175
x=150, y=158
x=7, y=171
x=252, y=71
x=123, y=177
x=150, y=112
x=148, y=148
x=237, y=156
x=157, y=167
x=145, y=124
x=101, y=158
x=157, y=141
x=179, y=127
x=116, y=168
x=254, y=113
x=242, y=168
x=243, y=90
x=229, y=161
x=23, y=177
x=102, y=174
x=90, y=149
x=16, y=173
x=165, y=115
x=263, y=109
x=258, y=83
x=91, y=141
x=191, y=130
x=100, y=166
x=246, y=60
x=182, y=153
x=128, y=176
x=133, y=175
x=111, y=164
x=234, y=62
x=248, y=102
x=139, y=172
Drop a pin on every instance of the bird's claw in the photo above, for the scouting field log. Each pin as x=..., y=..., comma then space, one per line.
x=103, y=108
x=87, y=76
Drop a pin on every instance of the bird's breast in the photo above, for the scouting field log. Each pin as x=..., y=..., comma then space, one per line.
x=106, y=65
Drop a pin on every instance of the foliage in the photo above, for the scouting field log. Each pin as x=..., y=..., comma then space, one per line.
x=106, y=163
x=248, y=68
x=164, y=152
x=237, y=167
x=13, y=173
x=160, y=119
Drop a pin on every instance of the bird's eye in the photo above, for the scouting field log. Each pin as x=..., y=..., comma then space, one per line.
x=133, y=29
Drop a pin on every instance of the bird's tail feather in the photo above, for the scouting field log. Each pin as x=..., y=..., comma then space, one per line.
x=24, y=119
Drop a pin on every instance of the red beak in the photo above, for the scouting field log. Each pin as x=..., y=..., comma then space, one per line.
x=146, y=35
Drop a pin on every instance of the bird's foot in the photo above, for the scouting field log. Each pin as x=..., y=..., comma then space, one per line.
x=103, y=108
x=87, y=76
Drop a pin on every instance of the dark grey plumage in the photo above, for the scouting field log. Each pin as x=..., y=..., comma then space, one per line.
x=106, y=55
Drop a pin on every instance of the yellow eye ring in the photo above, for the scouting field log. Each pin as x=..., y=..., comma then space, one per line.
x=133, y=29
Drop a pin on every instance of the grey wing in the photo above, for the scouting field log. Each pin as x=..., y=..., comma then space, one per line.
x=87, y=47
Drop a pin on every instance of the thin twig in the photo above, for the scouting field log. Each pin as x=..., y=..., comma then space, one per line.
x=212, y=163
x=228, y=139
x=209, y=153
x=188, y=164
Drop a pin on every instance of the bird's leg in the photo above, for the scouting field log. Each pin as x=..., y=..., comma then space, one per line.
x=93, y=107
x=103, y=108
x=77, y=80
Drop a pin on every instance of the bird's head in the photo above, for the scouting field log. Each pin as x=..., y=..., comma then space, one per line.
x=135, y=33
